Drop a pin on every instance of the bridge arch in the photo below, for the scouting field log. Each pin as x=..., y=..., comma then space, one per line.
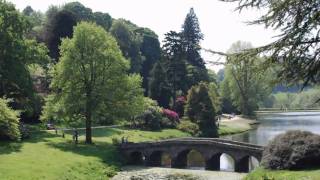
x=221, y=161
x=136, y=158
x=184, y=158
x=159, y=158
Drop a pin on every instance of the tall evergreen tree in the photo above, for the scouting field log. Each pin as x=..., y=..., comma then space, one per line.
x=173, y=51
x=159, y=88
x=192, y=36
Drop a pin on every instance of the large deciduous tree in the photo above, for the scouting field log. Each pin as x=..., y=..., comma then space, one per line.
x=297, y=48
x=246, y=81
x=91, y=77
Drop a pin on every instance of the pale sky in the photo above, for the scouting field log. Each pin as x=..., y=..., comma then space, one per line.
x=219, y=23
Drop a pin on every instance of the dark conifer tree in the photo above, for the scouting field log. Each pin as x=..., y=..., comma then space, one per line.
x=173, y=52
x=159, y=88
x=192, y=36
x=60, y=26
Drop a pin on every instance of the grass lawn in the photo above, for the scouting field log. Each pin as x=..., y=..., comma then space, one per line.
x=49, y=156
x=228, y=129
x=264, y=174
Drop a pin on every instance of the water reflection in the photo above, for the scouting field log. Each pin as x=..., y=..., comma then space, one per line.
x=273, y=124
x=276, y=123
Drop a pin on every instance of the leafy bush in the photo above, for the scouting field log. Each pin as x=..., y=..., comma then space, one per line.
x=167, y=123
x=189, y=127
x=150, y=119
x=9, y=122
x=292, y=150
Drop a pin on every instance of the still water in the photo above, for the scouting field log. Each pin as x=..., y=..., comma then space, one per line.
x=271, y=125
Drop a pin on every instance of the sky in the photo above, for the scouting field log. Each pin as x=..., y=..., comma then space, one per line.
x=219, y=23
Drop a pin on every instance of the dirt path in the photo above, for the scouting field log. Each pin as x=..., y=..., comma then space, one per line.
x=156, y=173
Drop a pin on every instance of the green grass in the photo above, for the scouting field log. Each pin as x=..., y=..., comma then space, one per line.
x=228, y=129
x=49, y=156
x=263, y=174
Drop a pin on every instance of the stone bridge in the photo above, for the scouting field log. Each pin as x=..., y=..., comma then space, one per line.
x=150, y=153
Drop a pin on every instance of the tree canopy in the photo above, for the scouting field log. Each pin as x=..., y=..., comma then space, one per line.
x=297, y=48
x=16, y=54
x=91, y=77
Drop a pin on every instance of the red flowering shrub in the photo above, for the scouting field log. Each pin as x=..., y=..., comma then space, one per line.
x=170, y=114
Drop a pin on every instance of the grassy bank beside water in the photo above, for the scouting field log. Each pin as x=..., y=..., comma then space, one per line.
x=236, y=125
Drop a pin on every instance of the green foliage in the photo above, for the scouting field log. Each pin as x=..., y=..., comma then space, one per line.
x=214, y=96
x=159, y=88
x=187, y=126
x=200, y=110
x=103, y=19
x=17, y=53
x=151, y=117
x=292, y=150
x=150, y=49
x=174, y=58
x=192, y=36
x=57, y=27
x=297, y=47
x=91, y=78
x=81, y=12
x=9, y=122
x=302, y=100
x=245, y=83
x=129, y=43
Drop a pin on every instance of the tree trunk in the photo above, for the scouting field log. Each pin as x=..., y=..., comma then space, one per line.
x=88, y=128
x=88, y=117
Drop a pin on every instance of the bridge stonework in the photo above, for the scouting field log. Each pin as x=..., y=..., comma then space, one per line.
x=150, y=153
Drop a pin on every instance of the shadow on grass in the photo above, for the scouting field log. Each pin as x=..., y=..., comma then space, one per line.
x=103, y=132
x=106, y=152
x=9, y=147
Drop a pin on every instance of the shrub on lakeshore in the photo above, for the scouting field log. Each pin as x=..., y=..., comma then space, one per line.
x=293, y=150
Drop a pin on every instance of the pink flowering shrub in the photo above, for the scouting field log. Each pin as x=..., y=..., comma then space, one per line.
x=170, y=114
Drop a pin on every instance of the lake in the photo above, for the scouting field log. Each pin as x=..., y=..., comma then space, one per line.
x=271, y=125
